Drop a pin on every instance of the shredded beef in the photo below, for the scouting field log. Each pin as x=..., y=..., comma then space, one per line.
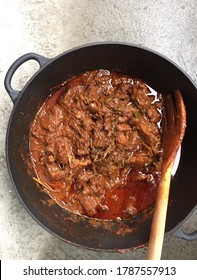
x=86, y=142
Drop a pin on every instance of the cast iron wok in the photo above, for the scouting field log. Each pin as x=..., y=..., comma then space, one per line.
x=161, y=74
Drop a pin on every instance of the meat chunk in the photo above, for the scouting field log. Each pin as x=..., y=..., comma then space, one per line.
x=54, y=172
x=89, y=203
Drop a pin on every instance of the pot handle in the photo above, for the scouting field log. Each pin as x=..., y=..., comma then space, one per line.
x=184, y=235
x=17, y=63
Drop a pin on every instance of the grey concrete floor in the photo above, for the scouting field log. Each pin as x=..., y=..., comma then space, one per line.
x=52, y=27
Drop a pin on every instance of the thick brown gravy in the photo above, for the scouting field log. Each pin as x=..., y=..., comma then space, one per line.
x=95, y=145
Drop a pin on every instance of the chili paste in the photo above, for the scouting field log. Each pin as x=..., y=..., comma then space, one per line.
x=95, y=145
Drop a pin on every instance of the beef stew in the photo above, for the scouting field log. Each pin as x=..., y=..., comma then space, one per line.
x=95, y=145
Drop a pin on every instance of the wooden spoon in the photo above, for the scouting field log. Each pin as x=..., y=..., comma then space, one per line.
x=173, y=130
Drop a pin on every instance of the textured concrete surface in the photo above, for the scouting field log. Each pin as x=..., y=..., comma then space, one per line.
x=52, y=27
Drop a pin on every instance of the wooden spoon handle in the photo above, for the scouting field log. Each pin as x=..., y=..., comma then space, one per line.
x=159, y=217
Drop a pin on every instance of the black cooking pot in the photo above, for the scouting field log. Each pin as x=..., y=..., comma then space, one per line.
x=162, y=75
